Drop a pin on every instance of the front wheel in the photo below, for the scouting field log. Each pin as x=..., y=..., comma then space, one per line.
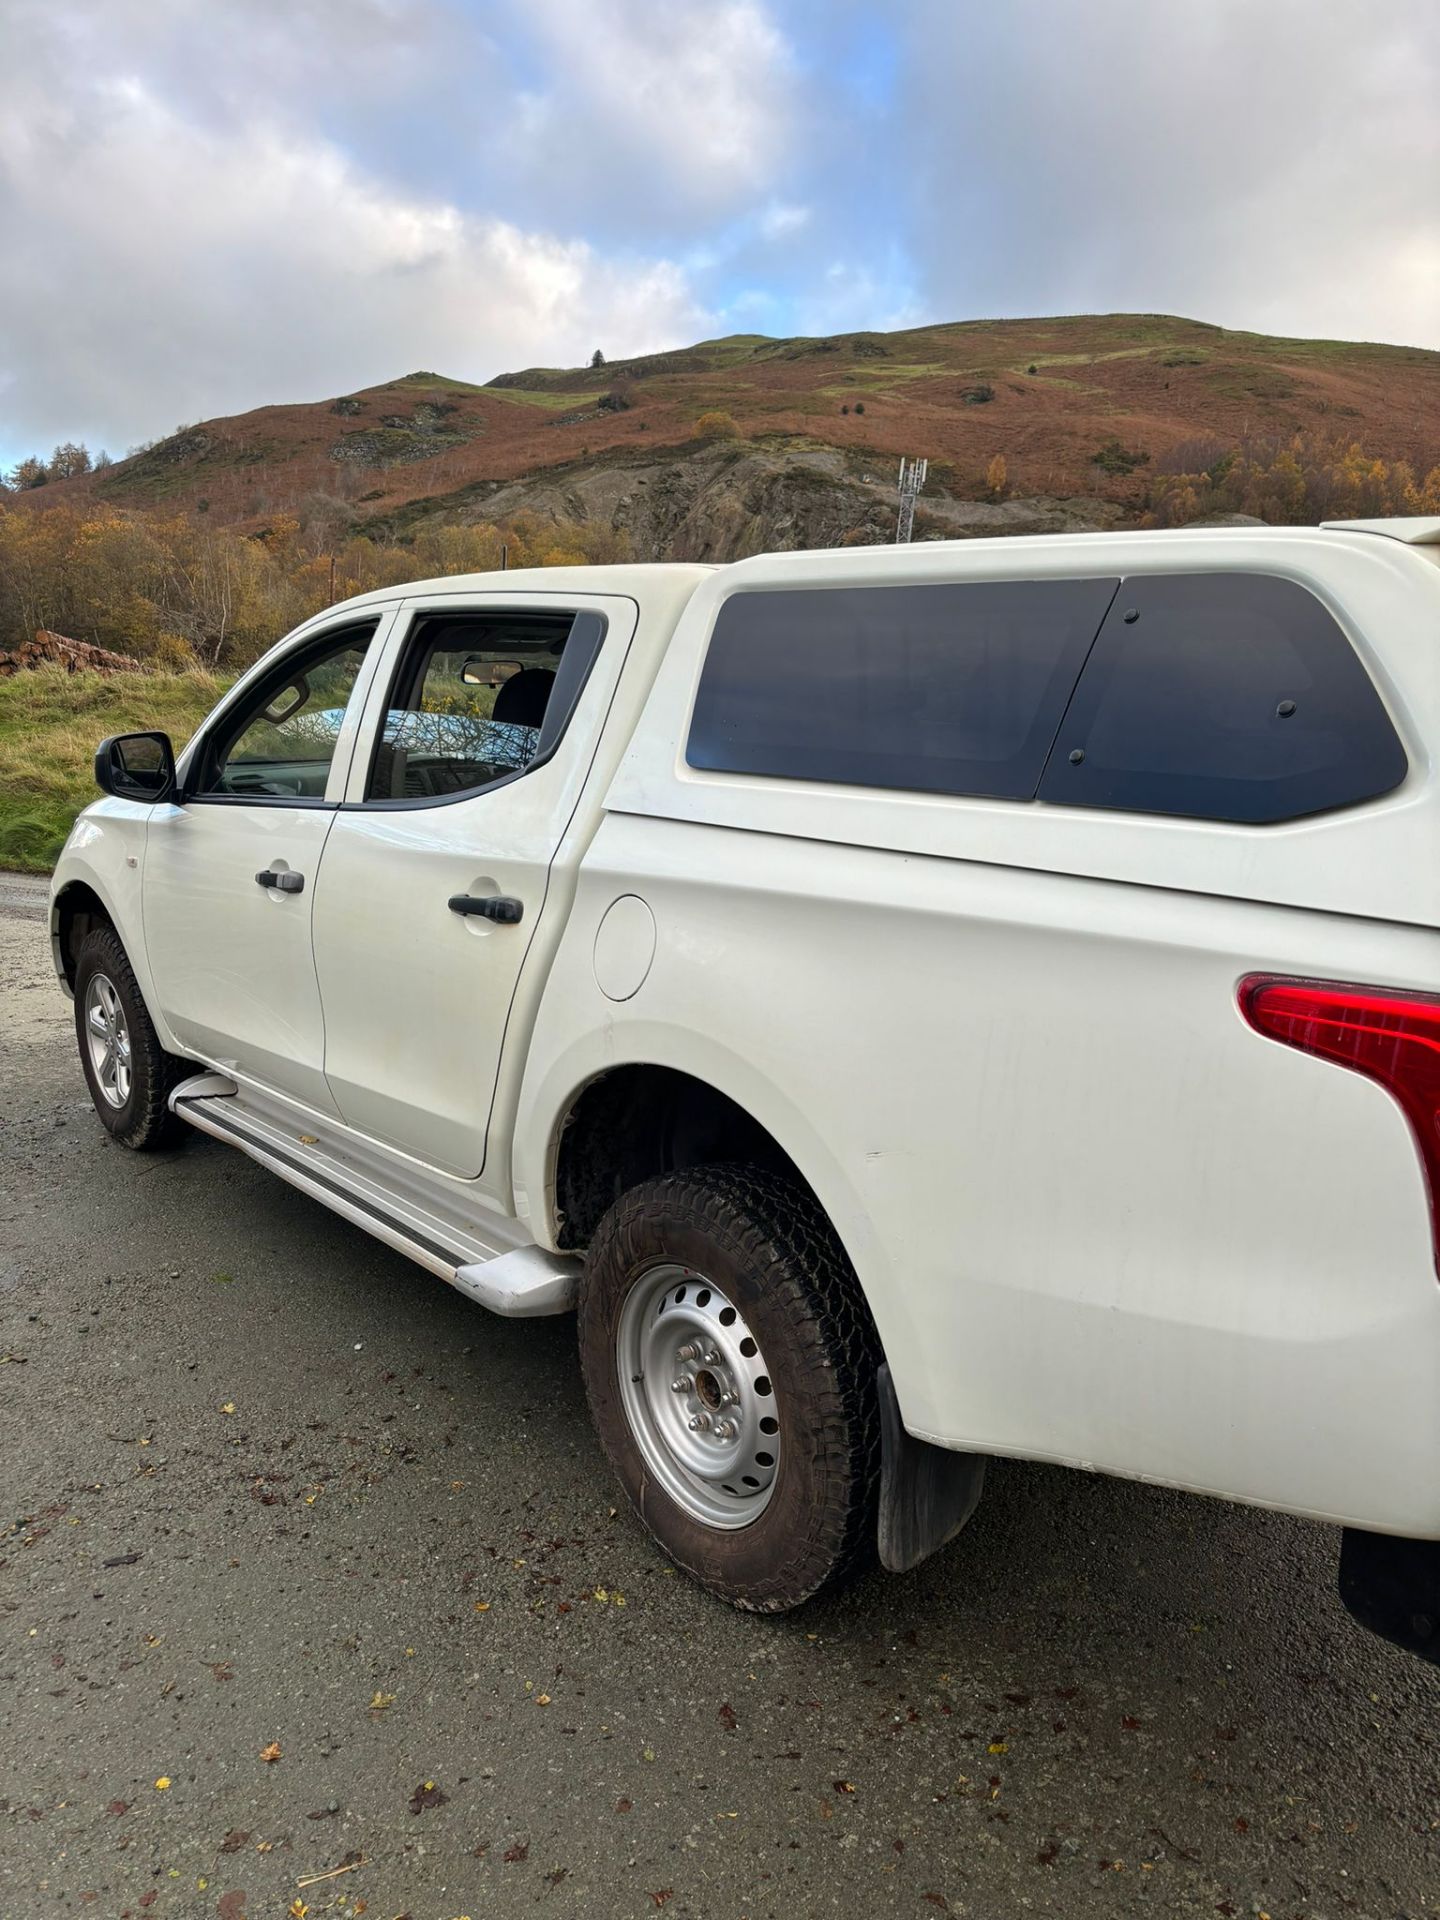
x=730, y=1362
x=128, y=1072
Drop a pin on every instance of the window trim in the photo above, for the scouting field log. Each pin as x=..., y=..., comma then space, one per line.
x=420, y=613
x=271, y=675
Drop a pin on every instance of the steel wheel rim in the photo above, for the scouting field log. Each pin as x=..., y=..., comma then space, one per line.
x=107, y=1036
x=698, y=1397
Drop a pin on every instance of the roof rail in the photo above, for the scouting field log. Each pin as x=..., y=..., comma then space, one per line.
x=1421, y=530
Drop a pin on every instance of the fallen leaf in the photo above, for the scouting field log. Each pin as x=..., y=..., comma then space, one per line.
x=482, y=1606
x=271, y=1753
x=117, y=1807
x=297, y=1908
x=1130, y=1723
x=121, y=1560
x=381, y=1701
x=162, y=1783
x=665, y=1893
x=542, y=1699
x=624, y=1806
x=427, y=1794
x=998, y=1746
x=937, y=1900
x=727, y=1717
x=234, y=1840
x=843, y=1786
x=229, y=1407
x=513, y=1855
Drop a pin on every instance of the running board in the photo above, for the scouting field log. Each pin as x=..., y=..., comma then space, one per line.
x=489, y=1262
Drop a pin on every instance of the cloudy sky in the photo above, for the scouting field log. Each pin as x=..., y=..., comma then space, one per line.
x=210, y=204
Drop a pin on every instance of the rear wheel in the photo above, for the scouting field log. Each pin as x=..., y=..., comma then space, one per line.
x=730, y=1363
x=128, y=1072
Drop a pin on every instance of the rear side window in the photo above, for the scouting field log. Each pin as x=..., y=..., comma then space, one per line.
x=1222, y=697
x=930, y=689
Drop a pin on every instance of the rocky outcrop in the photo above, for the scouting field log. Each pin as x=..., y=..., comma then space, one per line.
x=75, y=656
x=727, y=500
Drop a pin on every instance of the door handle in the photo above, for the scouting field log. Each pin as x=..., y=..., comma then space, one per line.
x=492, y=906
x=281, y=882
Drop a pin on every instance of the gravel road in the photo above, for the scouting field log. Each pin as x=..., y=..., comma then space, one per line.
x=310, y=1567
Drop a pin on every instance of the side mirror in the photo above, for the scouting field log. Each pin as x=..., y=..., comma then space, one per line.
x=136, y=766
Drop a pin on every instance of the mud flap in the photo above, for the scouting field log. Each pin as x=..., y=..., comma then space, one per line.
x=1392, y=1586
x=927, y=1493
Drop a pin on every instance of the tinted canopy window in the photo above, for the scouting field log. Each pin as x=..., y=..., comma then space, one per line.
x=1222, y=697
x=931, y=689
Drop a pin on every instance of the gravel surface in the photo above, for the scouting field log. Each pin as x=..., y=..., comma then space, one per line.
x=308, y=1565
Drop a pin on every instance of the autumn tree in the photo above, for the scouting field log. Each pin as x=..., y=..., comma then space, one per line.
x=67, y=460
x=996, y=477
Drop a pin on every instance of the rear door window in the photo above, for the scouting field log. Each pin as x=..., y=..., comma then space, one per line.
x=952, y=689
x=478, y=699
x=1222, y=697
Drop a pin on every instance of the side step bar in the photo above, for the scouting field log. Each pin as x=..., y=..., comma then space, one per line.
x=517, y=1282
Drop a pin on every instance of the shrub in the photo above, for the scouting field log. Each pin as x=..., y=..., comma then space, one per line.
x=716, y=425
x=859, y=406
x=613, y=403
x=996, y=477
x=1113, y=458
x=977, y=396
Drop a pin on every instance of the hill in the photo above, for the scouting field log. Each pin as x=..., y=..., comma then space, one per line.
x=736, y=444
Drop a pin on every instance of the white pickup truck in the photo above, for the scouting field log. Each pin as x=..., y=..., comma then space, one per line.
x=918, y=1004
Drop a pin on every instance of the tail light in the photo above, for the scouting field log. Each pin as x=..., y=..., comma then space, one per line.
x=1390, y=1037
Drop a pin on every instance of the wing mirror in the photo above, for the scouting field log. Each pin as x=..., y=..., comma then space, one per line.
x=136, y=766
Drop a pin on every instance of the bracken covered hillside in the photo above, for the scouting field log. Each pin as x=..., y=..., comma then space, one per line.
x=745, y=443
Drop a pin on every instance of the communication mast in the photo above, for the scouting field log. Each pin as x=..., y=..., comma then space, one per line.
x=912, y=479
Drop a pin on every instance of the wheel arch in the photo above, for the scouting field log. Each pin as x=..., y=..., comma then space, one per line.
x=620, y=1121
x=628, y=1123
x=74, y=911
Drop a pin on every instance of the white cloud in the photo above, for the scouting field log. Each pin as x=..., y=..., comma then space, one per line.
x=680, y=109
x=159, y=268
x=1270, y=165
x=778, y=221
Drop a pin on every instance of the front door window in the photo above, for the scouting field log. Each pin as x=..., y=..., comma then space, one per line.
x=279, y=744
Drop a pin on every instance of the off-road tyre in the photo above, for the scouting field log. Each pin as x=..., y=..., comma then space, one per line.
x=764, y=1241
x=144, y=1121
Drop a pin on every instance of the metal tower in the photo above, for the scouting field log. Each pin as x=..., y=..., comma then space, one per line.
x=912, y=479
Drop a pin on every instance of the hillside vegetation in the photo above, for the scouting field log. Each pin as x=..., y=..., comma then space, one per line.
x=50, y=724
x=778, y=442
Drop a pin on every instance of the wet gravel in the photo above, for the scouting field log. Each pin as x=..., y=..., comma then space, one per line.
x=308, y=1565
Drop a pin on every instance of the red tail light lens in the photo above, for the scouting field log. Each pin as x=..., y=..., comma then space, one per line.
x=1388, y=1036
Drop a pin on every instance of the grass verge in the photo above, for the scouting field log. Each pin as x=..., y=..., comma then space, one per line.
x=50, y=725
